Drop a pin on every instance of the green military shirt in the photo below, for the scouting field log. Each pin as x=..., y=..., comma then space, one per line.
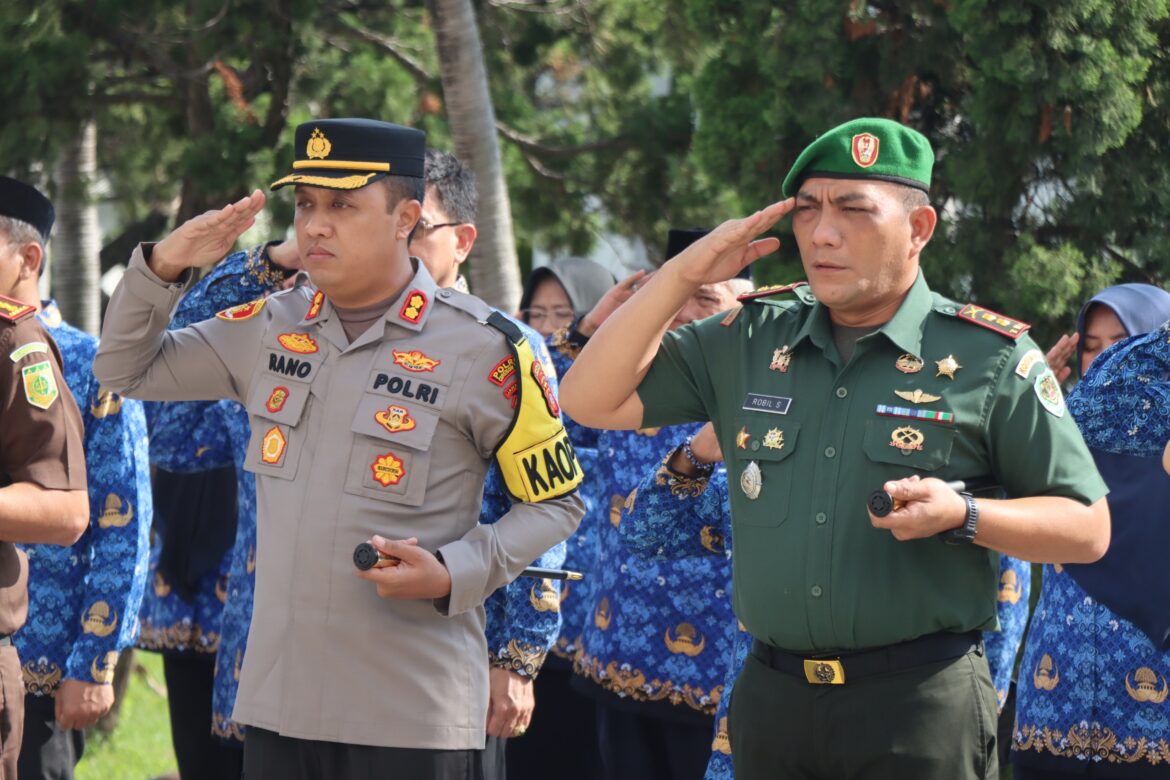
x=811, y=573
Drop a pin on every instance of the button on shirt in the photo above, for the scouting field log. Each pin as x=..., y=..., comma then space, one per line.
x=806, y=584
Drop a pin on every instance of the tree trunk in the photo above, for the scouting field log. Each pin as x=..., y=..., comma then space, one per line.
x=493, y=268
x=76, y=237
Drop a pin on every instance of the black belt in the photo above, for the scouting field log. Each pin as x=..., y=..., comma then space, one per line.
x=835, y=669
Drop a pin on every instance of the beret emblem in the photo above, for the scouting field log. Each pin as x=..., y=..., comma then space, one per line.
x=865, y=149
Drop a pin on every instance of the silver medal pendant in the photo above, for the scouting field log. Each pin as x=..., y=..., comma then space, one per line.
x=751, y=480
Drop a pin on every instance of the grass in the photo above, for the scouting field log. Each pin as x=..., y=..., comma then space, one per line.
x=140, y=747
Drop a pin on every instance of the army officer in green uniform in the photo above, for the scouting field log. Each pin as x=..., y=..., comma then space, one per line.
x=868, y=662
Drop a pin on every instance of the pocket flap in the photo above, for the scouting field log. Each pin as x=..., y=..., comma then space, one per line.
x=399, y=421
x=763, y=437
x=913, y=443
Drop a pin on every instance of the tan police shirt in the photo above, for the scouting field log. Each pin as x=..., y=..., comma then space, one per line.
x=391, y=434
x=41, y=435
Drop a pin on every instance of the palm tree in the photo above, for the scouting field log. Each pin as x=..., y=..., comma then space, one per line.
x=76, y=236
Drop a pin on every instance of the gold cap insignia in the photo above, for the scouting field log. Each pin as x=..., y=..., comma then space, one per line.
x=318, y=147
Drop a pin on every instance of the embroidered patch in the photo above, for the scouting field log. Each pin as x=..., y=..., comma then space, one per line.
x=993, y=321
x=395, y=419
x=415, y=361
x=40, y=386
x=1048, y=391
x=388, y=470
x=31, y=348
x=915, y=414
x=550, y=398
x=511, y=392
x=502, y=371
x=773, y=404
x=315, y=306
x=416, y=304
x=245, y=311
x=276, y=399
x=907, y=439
x=302, y=343
x=14, y=311
x=865, y=149
x=1030, y=358
x=273, y=445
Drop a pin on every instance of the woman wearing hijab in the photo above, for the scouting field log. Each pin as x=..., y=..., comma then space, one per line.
x=1094, y=687
x=556, y=294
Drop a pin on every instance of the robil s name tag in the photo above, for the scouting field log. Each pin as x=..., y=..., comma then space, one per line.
x=772, y=404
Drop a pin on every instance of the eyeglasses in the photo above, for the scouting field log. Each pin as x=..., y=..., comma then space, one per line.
x=538, y=316
x=427, y=226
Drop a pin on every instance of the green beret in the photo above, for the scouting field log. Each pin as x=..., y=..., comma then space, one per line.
x=866, y=148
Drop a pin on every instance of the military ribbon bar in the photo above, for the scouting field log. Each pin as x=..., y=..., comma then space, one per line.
x=915, y=414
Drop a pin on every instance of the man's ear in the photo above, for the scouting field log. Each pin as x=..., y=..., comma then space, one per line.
x=406, y=213
x=32, y=256
x=465, y=235
x=923, y=220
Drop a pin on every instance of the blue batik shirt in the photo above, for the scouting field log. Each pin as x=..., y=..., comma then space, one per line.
x=659, y=630
x=186, y=437
x=84, y=599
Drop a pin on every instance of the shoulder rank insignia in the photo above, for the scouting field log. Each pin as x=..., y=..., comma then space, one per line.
x=315, y=305
x=245, y=311
x=14, y=311
x=772, y=289
x=414, y=306
x=731, y=316
x=991, y=320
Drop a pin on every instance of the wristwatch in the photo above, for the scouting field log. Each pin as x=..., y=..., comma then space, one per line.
x=964, y=534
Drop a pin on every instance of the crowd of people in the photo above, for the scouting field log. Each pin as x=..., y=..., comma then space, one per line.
x=195, y=484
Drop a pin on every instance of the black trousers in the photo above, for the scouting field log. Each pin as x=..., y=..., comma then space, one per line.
x=638, y=747
x=200, y=754
x=47, y=752
x=937, y=720
x=561, y=740
x=269, y=756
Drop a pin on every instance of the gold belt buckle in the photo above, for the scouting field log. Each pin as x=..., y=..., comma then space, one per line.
x=824, y=671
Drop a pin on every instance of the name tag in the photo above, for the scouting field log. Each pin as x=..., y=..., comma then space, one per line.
x=773, y=404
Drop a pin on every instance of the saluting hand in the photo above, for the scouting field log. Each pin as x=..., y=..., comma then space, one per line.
x=1062, y=352
x=926, y=507
x=609, y=303
x=204, y=239
x=418, y=574
x=729, y=248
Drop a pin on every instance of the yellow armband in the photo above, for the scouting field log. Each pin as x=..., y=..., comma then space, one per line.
x=536, y=457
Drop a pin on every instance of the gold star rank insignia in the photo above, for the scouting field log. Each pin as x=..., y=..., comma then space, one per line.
x=741, y=438
x=908, y=364
x=916, y=396
x=774, y=439
x=780, y=359
x=947, y=366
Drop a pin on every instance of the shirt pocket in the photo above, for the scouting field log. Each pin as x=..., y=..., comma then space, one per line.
x=390, y=457
x=276, y=408
x=760, y=439
x=904, y=446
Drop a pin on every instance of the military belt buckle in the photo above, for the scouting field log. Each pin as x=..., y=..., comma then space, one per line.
x=824, y=671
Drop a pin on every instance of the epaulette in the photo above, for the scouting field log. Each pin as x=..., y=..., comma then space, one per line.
x=12, y=311
x=778, y=289
x=476, y=308
x=1005, y=326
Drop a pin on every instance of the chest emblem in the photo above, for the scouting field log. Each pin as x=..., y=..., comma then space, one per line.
x=301, y=343
x=245, y=311
x=916, y=396
x=315, y=305
x=751, y=480
x=908, y=364
x=388, y=469
x=947, y=366
x=277, y=399
x=415, y=361
x=501, y=372
x=272, y=446
x=781, y=358
x=395, y=419
x=907, y=439
x=741, y=438
x=40, y=386
x=774, y=439
x=412, y=310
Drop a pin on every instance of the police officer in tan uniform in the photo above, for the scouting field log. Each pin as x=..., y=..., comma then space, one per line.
x=43, y=495
x=377, y=402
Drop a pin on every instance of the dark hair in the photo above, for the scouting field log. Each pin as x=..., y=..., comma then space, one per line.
x=913, y=198
x=454, y=184
x=400, y=188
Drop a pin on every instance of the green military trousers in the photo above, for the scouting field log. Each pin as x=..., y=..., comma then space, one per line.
x=931, y=722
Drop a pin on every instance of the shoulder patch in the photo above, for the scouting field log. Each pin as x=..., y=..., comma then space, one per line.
x=12, y=311
x=1048, y=391
x=31, y=348
x=772, y=289
x=245, y=311
x=991, y=320
x=40, y=386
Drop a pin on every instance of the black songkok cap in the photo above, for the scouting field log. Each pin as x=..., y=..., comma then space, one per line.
x=347, y=154
x=25, y=202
